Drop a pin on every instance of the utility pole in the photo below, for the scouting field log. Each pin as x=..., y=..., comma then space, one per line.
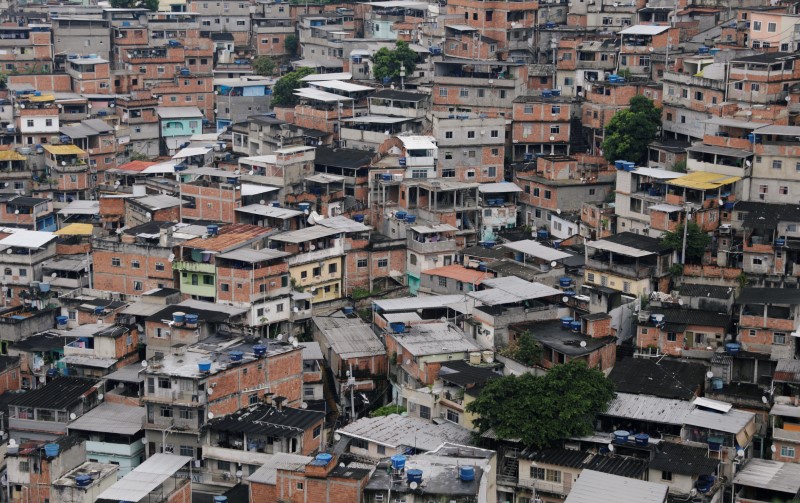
x=685, y=227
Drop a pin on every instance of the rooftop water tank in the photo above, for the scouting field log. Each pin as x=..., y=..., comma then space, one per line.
x=204, y=366
x=51, y=450
x=259, y=350
x=398, y=462
x=324, y=458
x=83, y=480
x=236, y=356
x=466, y=473
x=621, y=436
x=414, y=475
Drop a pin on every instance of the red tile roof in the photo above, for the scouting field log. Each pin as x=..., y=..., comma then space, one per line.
x=228, y=238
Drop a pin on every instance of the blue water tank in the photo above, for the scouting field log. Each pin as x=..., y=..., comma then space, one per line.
x=482, y=266
x=259, y=350
x=642, y=439
x=621, y=436
x=192, y=319
x=51, y=450
x=410, y=219
x=220, y=499
x=565, y=281
x=542, y=234
x=488, y=244
x=566, y=321
x=83, y=480
x=400, y=215
x=397, y=327
x=358, y=218
x=303, y=206
x=347, y=310
x=98, y=310
x=398, y=462
x=204, y=366
x=717, y=383
x=414, y=475
x=61, y=320
x=179, y=317
x=466, y=473
x=324, y=458
x=386, y=177
x=575, y=326
x=236, y=356
x=733, y=347
x=212, y=229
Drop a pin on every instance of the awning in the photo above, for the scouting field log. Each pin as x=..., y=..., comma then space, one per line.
x=744, y=436
x=666, y=208
x=75, y=230
x=63, y=149
x=702, y=180
x=191, y=152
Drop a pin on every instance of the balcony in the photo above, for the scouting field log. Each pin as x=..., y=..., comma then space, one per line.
x=194, y=267
x=435, y=247
x=176, y=397
x=335, y=250
x=629, y=270
x=544, y=486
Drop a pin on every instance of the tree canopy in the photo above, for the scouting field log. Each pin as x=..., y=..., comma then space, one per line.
x=263, y=65
x=696, y=241
x=630, y=131
x=540, y=410
x=387, y=62
x=290, y=43
x=283, y=90
x=525, y=350
x=151, y=5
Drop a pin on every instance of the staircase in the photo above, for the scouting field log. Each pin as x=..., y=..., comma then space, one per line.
x=508, y=471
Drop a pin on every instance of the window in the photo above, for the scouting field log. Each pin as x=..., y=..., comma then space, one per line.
x=757, y=261
x=684, y=93
x=471, y=154
x=537, y=473
x=159, y=266
x=331, y=268
x=383, y=263
x=777, y=164
x=590, y=277
x=424, y=412
x=669, y=116
x=464, y=93
x=165, y=412
x=555, y=110
x=738, y=86
x=443, y=282
x=786, y=452
x=443, y=92
x=225, y=287
x=187, y=450
x=755, y=87
x=756, y=25
x=138, y=286
x=752, y=333
x=481, y=93
x=452, y=416
x=555, y=129
x=698, y=95
x=528, y=109
x=48, y=122
x=25, y=467
x=779, y=338
x=491, y=171
x=502, y=94
x=134, y=264
x=494, y=133
x=317, y=431
x=553, y=476
x=224, y=466
x=547, y=194
x=448, y=134
x=495, y=152
x=208, y=280
x=772, y=27
x=193, y=124
x=470, y=134
x=666, y=475
x=116, y=262
x=362, y=262
x=30, y=122
x=672, y=336
x=536, y=192
x=783, y=190
x=299, y=486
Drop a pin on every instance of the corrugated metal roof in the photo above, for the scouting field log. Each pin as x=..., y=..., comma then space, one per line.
x=421, y=302
x=395, y=431
x=732, y=421
x=787, y=370
x=268, y=473
x=644, y=29
x=111, y=418
x=536, y=249
x=649, y=408
x=771, y=475
x=511, y=289
x=702, y=180
x=349, y=337
x=145, y=478
x=596, y=487
x=63, y=149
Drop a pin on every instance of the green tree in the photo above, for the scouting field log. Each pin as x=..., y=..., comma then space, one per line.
x=560, y=404
x=387, y=62
x=387, y=409
x=696, y=241
x=528, y=350
x=151, y=5
x=283, y=90
x=263, y=65
x=630, y=131
x=291, y=43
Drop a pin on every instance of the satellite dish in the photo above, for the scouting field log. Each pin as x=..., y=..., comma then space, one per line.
x=558, y=211
x=171, y=257
x=765, y=400
x=144, y=440
x=564, y=299
x=337, y=437
x=583, y=344
x=553, y=263
x=279, y=337
x=408, y=361
x=16, y=212
x=12, y=442
x=721, y=202
x=291, y=339
x=610, y=447
x=100, y=396
x=304, y=405
x=413, y=485
x=73, y=416
x=312, y=247
x=54, y=275
x=148, y=215
x=740, y=453
x=295, y=343
x=210, y=391
x=42, y=379
x=262, y=202
x=139, y=328
x=144, y=363
x=709, y=374
x=771, y=448
x=748, y=163
x=211, y=415
x=239, y=473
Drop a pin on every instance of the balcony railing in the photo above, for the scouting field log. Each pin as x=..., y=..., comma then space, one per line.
x=438, y=246
x=627, y=270
x=194, y=267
